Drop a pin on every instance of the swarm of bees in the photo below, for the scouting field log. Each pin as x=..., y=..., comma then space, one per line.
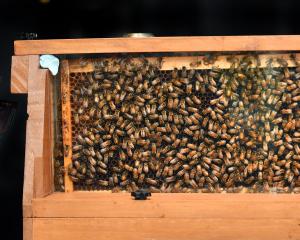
x=186, y=130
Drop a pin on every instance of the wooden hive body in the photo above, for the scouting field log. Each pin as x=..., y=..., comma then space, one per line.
x=78, y=215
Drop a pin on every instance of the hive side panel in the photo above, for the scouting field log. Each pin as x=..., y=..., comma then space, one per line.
x=66, y=122
x=164, y=229
x=159, y=44
x=34, y=176
x=19, y=74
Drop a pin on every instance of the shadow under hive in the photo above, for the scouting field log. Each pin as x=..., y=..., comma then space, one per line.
x=168, y=147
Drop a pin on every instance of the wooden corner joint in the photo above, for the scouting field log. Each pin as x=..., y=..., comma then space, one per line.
x=21, y=66
x=19, y=74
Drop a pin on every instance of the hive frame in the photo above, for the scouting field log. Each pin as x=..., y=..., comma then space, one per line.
x=167, y=63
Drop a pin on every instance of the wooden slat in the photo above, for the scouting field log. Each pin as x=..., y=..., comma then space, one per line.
x=164, y=229
x=19, y=74
x=27, y=229
x=195, y=62
x=35, y=135
x=108, y=205
x=159, y=44
x=48, y=186
x=66, y=122
x=169, y=63
x=43, y=179
x=107, y=195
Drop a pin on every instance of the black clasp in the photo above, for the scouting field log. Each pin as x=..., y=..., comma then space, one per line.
x=141, y=194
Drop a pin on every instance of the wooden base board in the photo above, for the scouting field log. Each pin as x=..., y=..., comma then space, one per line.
x=103, y=215
x=164, y=229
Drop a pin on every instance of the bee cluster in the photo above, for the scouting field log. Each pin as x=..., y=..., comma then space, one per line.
x=186, y=130
x=58, y=166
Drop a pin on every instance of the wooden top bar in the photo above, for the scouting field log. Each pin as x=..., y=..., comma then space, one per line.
x=159, y=44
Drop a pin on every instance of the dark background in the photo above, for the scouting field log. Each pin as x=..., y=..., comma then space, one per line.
x=107, y=18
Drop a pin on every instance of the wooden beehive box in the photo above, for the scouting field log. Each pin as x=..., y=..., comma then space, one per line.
x=95, y=215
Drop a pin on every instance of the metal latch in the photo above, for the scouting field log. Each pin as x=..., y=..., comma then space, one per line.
x=141, y=194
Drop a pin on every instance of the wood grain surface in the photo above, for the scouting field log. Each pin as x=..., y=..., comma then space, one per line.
x=159, y=44
x=165, y=229
x=19, y=74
